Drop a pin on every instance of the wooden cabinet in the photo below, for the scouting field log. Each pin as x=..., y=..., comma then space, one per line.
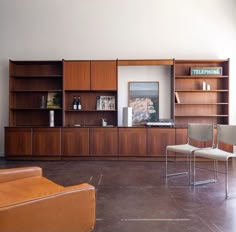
x=79, y=81
x=75, y=141
x=103, y=141
x=197, y=103
x=18, y=141
x=132, y=141
x=158, y=139
x=29, y=82
x=46, y=142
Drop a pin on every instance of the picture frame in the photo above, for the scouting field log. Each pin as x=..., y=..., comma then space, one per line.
x=54, y=100
x=106, y=103
x=143, y=98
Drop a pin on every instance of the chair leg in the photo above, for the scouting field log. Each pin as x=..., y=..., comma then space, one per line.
x=216, y=169
x=190, y=168
x=200, y=182
x=227, y=195
x=166, y=164
x=173, y=174
x=226, y=179
x=194, y=169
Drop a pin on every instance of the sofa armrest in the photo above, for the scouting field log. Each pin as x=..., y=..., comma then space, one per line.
x=72, y=209
x=11, y=174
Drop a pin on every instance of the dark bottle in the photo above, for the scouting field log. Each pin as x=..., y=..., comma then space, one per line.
x=79, y=107
x=74, y=104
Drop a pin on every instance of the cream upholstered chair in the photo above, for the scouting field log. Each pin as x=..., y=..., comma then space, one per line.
x=197, y=132
x=225, y=134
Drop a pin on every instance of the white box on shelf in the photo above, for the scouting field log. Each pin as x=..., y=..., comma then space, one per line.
x=127, y=116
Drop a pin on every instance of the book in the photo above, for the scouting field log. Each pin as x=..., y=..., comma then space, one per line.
x=54, y=100
x=177, y=99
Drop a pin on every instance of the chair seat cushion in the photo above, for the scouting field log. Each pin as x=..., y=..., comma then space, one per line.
x=26, y=189
x=216, y=154
x=182, y=148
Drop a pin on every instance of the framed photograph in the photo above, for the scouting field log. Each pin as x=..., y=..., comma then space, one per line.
x=54, y=100
x=106, y=103
x=144, y=100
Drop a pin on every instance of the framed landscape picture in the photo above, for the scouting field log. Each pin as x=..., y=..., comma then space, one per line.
x=144, y=100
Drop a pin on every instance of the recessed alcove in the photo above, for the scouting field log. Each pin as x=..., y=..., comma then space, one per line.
x=142, y=73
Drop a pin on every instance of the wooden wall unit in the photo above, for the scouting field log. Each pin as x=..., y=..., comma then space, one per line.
x=79, y=133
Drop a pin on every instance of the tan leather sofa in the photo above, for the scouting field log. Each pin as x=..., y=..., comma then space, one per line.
x=31, y=202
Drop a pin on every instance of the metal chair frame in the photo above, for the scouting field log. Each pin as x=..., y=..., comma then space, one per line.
x=225, y=134
x=202, y=132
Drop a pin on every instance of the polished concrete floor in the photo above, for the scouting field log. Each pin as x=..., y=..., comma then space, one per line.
x=134, y=196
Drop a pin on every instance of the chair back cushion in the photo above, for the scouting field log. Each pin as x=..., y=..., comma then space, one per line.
x=226, y=134
x=201, y=131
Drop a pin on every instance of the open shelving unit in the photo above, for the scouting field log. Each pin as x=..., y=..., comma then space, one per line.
x=29, y=81
x=197, y=104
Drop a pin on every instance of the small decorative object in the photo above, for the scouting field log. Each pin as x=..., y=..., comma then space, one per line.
x=127, y=116
x=54, y=100
x=104, y=122
x=79, y=106
x=98, y=103
x=177, y=99
x=51, y=118
x=105, y=103
x=42, y=102
x=74, y=103
x=204, y=85
x=208, y=87
x=144, y=100
x=205, y=71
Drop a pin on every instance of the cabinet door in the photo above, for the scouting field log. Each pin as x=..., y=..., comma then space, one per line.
x=103, y=141
x=158, y=139
x=46, y=142
x=103, y=75
x=75, y=141
x=132, y=141
x=18, y=141
x=77, y=75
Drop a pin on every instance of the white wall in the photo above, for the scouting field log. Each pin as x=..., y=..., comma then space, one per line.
x=110, y=29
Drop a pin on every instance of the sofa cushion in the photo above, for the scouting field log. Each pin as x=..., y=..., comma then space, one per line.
x=23, y=190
